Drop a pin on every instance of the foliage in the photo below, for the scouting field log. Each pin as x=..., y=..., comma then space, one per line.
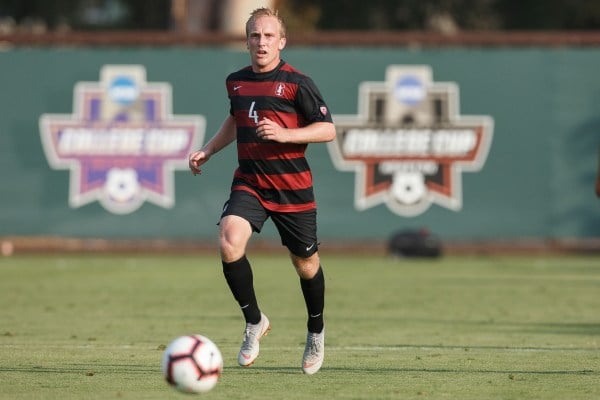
x=305, y=15
x=463, y=14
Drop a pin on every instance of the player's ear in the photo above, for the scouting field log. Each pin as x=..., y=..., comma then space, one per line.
x=282, y=43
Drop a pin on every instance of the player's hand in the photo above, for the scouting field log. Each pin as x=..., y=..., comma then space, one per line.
x=270, y=130
x=196, y=160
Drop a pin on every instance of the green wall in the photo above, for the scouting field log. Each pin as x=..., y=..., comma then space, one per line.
x=537, y=182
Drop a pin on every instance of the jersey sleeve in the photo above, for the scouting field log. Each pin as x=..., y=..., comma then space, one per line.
x=310, y=102
x=228, y=85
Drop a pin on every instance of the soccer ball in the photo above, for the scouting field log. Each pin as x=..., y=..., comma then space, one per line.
x=192, y=364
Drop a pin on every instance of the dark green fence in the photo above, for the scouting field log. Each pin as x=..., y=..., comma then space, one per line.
x=536, y=182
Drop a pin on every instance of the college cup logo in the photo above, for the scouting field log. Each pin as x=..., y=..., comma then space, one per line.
x=122, y=143
x=408, y=144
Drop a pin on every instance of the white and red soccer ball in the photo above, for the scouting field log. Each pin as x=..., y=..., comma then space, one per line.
x=192, y=364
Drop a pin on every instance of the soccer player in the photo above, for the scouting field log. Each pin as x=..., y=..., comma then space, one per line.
x=275, y=111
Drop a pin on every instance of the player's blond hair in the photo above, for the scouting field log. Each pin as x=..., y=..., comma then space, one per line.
x=265, y=12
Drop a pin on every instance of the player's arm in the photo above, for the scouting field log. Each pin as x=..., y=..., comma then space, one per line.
x=311, y=105
x=224, y=136
x=317, y=132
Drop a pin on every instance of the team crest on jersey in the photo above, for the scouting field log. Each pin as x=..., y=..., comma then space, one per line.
x=280, y=90
x=122, y=143
x=408, y=144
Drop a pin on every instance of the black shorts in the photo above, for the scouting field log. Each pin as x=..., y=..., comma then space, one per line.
x=298, y=230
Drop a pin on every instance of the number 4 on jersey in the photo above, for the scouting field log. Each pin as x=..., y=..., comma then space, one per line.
x=252, y=113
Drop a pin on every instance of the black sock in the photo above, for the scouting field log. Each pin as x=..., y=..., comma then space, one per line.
x=238, y=275
x=314, y=297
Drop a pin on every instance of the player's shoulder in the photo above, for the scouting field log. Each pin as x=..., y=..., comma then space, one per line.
x=240, y=74
x=290, y=69
x=294, y=75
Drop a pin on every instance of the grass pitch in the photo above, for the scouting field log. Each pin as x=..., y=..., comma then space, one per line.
x=93, y=327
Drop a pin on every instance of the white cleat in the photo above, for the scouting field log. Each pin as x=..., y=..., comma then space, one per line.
x=250, y=345
x=314, y=352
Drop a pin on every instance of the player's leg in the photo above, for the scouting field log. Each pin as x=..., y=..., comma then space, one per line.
x=242, y=216
x=299, y=233
x=312, y=282
x=234, y=234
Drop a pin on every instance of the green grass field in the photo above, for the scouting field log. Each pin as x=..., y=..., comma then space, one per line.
x=93, y=327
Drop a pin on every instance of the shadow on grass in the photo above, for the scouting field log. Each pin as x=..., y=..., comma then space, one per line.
x=100, y=369
x=563, y=328
x=567, y=328
x=375, y=370
x=84, y=369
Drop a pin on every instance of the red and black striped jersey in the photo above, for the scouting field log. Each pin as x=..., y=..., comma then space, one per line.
x=276, y=173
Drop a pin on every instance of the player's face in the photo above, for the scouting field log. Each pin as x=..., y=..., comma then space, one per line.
x=265, y=43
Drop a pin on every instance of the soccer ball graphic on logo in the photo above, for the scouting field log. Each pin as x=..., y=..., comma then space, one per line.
x=192, y=364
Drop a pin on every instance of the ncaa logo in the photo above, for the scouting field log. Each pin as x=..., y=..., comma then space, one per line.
x=123, y=90
x=122, y=143
x=408, y=145
x=409, y=90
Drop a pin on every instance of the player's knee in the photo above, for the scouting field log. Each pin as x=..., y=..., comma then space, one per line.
x=231, y=248
x=306, y=267
x=232, y=245
x=233, y=238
